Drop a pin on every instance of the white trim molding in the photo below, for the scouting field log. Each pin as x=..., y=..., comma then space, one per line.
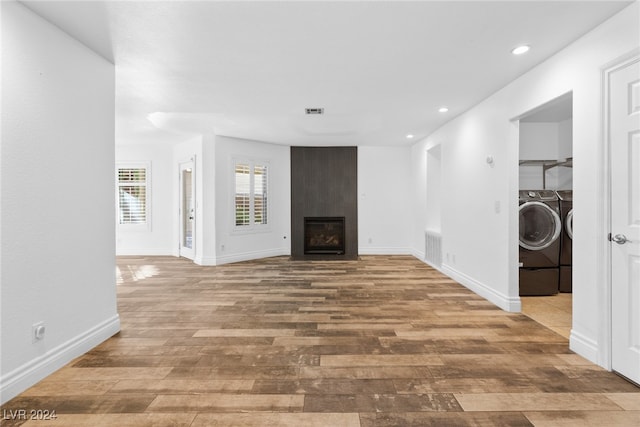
x=375, y=250
x=146, y=252
x=205, y=261
x=584, y=346
x=250, y=256
x=505, y=302
x=23, y=377
x=421, y=257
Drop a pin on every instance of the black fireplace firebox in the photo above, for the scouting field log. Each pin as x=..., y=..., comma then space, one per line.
x=324, y=235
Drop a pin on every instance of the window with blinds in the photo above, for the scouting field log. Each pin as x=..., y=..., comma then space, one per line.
x=132, y=195
x=259, y=194
x=250, y=196
x=243, y=195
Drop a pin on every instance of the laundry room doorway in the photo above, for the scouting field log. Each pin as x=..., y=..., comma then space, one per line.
x=546, y=183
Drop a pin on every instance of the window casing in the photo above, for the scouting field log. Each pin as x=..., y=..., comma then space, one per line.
x=132, y=199
x=251, y=195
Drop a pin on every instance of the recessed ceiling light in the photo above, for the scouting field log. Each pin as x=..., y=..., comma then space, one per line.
x=409, y=136
x=520, y=50
x=443, y=109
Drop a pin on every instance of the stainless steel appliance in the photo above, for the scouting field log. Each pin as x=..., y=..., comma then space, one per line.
x=539, y=235
x=566, y=239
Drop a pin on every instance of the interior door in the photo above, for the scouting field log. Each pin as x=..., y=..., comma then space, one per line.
x=187, y=210
x=624, y=116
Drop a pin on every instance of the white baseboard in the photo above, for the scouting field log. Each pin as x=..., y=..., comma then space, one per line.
x=584, y=346
x=505, y=302
x=20, y=379
x=418, y=254
x=436, y=267
x=378, y=250
x=205, y=261
x=249, y=256
x=145, y=252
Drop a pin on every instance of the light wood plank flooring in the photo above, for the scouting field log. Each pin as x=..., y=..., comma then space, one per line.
x=383, y=341
x=553, y=311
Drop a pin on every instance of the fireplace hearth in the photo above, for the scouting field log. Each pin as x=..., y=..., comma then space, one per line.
x=324, y=235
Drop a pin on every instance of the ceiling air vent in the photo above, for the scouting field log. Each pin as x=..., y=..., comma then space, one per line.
x=314, y=110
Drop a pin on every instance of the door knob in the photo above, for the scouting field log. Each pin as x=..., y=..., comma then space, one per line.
x=620, y=239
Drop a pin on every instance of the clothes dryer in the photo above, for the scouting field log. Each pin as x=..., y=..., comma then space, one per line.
x=539, y=235
x=565, y=198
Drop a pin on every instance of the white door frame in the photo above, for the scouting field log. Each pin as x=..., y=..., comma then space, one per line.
x=605, y=335
x=181, y=251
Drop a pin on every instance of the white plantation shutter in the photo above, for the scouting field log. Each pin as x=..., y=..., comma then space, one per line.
x=250, y=194
x=132, y=195
x=243, y=195
x=259, y=194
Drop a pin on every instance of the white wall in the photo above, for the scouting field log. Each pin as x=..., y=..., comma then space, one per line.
x=158, y=237
x=565, y=151
x=384, y=217
x=232, y=245
x=200, y=149
x=434, y=189
x=538, y=141
x=483, y=240
x=565, y=139
x=551, y=141
x=474, y=202
x=58, y=219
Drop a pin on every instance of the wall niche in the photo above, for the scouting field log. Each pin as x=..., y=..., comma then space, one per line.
x=324, y=184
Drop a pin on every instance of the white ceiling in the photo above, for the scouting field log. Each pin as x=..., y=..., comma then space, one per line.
x=379, y=69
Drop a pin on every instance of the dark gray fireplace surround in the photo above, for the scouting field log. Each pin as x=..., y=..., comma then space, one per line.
x=324, y=195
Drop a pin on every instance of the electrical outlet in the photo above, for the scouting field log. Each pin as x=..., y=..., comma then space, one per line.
x=37, y=332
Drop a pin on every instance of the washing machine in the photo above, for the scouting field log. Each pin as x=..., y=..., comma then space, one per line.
x=565, y=197
x=540, y=230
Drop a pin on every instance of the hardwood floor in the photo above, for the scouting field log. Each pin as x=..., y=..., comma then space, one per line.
x=383, y=341
x=553, y=311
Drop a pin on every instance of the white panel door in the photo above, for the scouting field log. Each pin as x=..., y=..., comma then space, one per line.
x=187, y=211
x=624, y=116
